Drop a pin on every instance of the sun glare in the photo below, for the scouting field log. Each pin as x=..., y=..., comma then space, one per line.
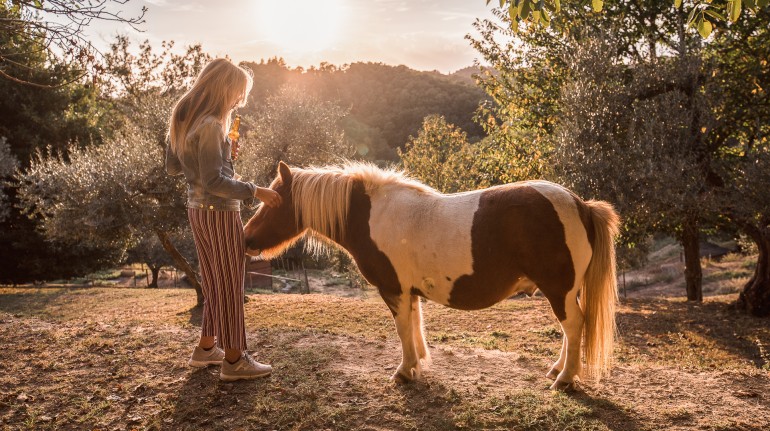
x=301, y=26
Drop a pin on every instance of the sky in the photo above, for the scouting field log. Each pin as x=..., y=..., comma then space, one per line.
x=421, y=34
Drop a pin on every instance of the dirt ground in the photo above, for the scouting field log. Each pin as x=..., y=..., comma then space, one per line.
x=115, y=359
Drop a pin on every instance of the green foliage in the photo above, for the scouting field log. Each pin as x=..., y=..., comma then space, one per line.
x=64, y=112
x=440, y=156
x=291, y=126
x=702, y=16
x=55, y=29
x=115, y=196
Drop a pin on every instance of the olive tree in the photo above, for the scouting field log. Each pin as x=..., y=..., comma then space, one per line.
x=291, y=126
x=8, y=164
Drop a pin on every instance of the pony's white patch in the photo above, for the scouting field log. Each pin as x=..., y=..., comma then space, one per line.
x=574, y=232
x=429, y=245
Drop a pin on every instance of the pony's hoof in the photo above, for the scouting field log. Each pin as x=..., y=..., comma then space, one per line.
x=553, y=374
x=564, y=386
x=401, y=379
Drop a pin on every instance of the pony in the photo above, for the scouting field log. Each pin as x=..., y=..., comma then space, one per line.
x=465, y=250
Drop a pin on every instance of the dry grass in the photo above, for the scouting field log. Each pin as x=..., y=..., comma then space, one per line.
x=98, y=358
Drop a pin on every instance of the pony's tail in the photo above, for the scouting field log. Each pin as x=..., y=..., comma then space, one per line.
x=600, y=292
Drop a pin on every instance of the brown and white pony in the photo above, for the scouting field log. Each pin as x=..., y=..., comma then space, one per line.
x=466, y=250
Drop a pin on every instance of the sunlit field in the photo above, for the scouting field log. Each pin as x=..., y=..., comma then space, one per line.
x=106, y=358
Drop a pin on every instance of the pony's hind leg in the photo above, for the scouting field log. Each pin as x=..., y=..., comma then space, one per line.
x=572, y=326
x=418, y=331
x=410, y=361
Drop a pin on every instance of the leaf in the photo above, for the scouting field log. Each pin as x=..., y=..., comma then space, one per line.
x=524, y=8
x=715, y=14
x=691, y=16
x=704, y=28
x=545, y=17
x=557, y=5
x=735, y=10
x=597, y=5
x=762, y=3
x=677, y=3
x=502, y=3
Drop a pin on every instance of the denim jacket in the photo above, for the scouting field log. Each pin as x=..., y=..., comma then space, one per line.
x=208, y=167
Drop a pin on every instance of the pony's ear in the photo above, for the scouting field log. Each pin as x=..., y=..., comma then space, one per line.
x=284, y=172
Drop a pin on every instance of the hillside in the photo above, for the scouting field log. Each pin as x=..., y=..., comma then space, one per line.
x=387, y=103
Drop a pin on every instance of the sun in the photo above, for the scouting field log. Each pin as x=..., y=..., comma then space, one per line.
x=301, y=26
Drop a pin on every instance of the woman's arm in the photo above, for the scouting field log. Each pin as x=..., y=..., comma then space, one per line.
x=173, y=165
x=211, y=158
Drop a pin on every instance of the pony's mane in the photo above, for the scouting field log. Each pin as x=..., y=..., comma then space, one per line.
x=321, y=195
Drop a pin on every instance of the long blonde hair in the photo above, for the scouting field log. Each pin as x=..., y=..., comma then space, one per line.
x=219, y=87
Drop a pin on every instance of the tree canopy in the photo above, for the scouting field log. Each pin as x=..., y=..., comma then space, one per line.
x=54, y=29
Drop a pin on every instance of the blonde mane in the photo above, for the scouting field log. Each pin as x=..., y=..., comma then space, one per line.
x=321, y=195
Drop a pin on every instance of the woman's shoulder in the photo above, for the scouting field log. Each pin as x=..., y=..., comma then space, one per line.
x=208, y=125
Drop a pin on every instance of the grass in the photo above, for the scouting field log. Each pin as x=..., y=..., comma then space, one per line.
x=108, y=358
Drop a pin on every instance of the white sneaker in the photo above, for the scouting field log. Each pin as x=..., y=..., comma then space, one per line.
x=246, y=368
x=203, y=358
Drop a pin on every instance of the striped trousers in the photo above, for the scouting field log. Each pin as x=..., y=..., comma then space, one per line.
x=222, y=256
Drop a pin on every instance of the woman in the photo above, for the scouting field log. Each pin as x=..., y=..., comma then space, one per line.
x=198, y=149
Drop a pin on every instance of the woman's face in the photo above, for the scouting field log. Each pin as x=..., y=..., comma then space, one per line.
x=237, y=103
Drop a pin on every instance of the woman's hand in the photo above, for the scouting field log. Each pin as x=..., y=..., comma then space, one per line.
x=270, y=197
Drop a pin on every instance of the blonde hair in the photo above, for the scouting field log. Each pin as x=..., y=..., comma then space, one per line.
x=219, y=87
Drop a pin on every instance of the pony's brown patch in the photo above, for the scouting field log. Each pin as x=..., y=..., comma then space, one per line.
x=372, y=262
x=516, y=233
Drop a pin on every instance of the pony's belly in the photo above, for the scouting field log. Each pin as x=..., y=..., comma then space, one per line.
x=489, y=295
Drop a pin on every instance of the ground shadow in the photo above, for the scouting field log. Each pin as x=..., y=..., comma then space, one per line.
x=429, y=404
x=196, y=315
x=32, y=301
x=608, y=412
x=731, y=330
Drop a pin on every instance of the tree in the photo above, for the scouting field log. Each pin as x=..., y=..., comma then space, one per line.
x=116, y=195
x=33, y=118
x=151, y=252
x=619, y=140
x=147, y=85
x=437, y=155
x=741, y=82
x=8, y=164
x=291, y=126
x=585, y=116
x=53, y=29
x=703, y=14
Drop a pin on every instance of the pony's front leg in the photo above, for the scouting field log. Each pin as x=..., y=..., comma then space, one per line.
x=410, y=361
x=417, y=327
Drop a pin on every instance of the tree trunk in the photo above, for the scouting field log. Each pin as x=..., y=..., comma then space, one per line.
x=692, y=272
x=155, y=270
x=755, y=297
x=181, y=263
